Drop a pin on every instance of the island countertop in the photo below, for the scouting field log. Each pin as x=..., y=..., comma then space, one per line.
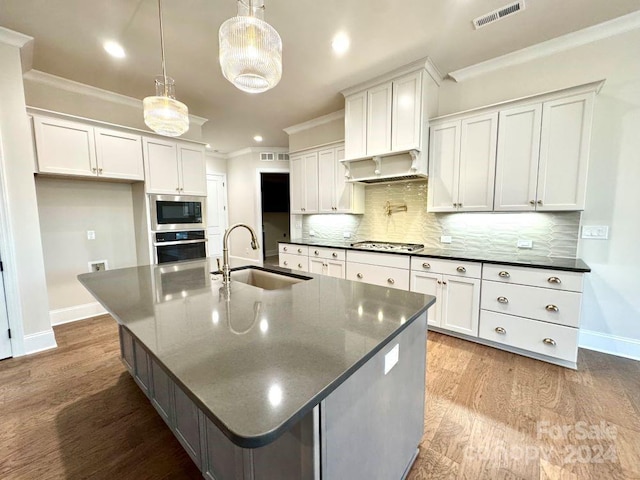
x=255, y=361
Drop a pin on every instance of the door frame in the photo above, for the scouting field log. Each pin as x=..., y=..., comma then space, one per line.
x=258, y=223
x=225, y=186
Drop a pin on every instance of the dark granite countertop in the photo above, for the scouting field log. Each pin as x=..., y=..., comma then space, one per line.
x=567, y=264
x=255, y=361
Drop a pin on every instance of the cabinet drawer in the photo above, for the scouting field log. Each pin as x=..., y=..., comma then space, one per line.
x=540, y=303
x=540, y=337
x=378, y=275
x=292, y=248
x=294, y=262
x=382, y=259
x=328, y=253
x=536, y=277
x=446, y=267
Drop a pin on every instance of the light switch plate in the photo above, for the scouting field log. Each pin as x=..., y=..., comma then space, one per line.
x=445, y=239
x=525, y=243
x=312, y=233
x=91, y=234
x=346, y=234
x=595, y=232
x=391, y=358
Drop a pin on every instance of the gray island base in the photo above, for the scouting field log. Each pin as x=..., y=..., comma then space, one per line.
x=323, y=379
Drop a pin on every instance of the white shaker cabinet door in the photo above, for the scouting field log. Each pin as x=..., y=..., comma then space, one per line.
x=119, y=154
x=429, y=284
x=460, y=307
x=327, y=165
x=407, y=112
x=296, y=184
x=65, y=147
x=334, y=268
x=477, y=163
x=193, y=176
x=355, y=125
x=564, y=153
x=311, y=190
x=379, y=119
x=161, y=166
x=444, y=167
x=316, y=265
x=517, y=158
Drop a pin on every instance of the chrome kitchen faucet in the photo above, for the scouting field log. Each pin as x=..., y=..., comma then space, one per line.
x=226, y=271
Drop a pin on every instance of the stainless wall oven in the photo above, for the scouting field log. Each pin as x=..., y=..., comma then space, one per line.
x=176, y=246
x=177, y=212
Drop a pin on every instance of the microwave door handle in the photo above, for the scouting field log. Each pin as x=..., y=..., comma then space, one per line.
x=179, y=242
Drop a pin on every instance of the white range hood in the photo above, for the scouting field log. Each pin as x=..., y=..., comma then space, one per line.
x=397, y=166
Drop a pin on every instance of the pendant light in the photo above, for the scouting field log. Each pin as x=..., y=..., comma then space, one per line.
x=250, y=49
x=163, y=113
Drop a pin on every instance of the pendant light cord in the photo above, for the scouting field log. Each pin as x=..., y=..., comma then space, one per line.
x=164, y=70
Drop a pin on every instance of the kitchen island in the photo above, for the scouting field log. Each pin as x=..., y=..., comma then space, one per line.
x=312, y=377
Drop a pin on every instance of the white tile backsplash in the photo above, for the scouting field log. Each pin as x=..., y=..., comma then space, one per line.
x=552, y=233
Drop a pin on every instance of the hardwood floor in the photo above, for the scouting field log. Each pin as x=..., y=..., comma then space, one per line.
x=75, y=413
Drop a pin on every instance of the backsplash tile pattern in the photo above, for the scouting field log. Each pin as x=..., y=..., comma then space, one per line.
x=553, y=233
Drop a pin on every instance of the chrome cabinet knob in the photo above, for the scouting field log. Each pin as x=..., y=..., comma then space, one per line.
x=532, y=202
x=334, y=255
x=284, y=249
x=461, y=269
x=100, y=170
x=316, y=252
x=555, y=280
x=177, y=189
x=299, y=265
x=94, y=169
x=444, y=282
x=552, y=308
x=549, y=341
x=502, y=300
x=391, y=281
x=426, y=265
x=299, y=250
x=501, y=330
x=286, y=263
x=539, y=202
x=359, y=275
x=439, y=282
x=504, y=274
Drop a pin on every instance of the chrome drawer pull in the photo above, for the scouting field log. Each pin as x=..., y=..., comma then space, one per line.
x=391, y=281
x=286, y=263
x=359, y=275
x=532, y=202
x=504, y=274
x=501, y=330
x=316, y=252
x=549, y=341
x=334, y=255
x=284, y=249
x=299, y=250
x=426, y=265
x=503, y=300
x=461, y=269
x=299, y=265
x=439, y=282
x=551, y=308
x=554, y=280
x=444, y=283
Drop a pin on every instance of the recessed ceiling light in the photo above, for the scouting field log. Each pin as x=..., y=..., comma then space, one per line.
x=114, y=49
x=340, y=43
x=258, y=138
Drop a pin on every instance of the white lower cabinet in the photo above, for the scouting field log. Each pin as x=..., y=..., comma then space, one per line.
x=386, y=270
x=458, y=296
x=331, y=268
x=294, y=262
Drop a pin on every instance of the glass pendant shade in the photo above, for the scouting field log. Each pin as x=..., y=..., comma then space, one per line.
x=250, y=49
x=163, y=113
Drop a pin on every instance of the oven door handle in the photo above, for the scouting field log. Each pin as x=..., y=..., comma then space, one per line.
x=179, y=242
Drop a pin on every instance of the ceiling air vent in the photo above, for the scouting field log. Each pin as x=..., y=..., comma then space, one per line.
x=498, y=14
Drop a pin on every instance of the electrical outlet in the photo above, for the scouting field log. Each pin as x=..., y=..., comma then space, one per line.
x=391, y=358
x=595, y=232
x=98, y=266
x=312, y=233
x=298, y=224
x=91, y=234
x=445, y=239
x=346, y=234
x=525, y=243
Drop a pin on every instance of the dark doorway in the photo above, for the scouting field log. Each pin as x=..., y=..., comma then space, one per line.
x=274, y=189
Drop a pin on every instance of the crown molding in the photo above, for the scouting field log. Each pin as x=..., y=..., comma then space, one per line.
x=315, y=122
x=65, y=84
x=424, y=63
x=569, y=41
x=13, y=38
x=247, y=150
x=218, y=155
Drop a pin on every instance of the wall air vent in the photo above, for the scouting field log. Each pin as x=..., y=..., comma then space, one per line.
x=267, y=156
x=498, y=14
x=283, y=157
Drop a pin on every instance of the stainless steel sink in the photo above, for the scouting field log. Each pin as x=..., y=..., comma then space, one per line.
x=265, y=279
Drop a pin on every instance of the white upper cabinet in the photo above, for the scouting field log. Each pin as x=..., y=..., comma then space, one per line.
x=174, y=168
x=119, y=154
x=406, y=117
x=517, y=158
x=379, y=101
x=303, y=180
x=564, y=153
x=192, y=172
x=296, y=183
x=355, y=126
x=327, y=164
x=477, y=163
x=444, y=167
x=72, y=148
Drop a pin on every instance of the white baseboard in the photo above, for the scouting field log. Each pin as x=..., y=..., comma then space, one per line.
x=611, y=344
x=75, y=313
x=37, y=342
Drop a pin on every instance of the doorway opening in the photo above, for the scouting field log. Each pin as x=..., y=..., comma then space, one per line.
x=276, y=217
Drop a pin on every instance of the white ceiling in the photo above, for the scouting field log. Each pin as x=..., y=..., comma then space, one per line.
x=385, y=34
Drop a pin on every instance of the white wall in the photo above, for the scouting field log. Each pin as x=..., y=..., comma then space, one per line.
x=612, y=300
x=216, y=163
x=21, y=246
x=243, y=190
x=68, y=208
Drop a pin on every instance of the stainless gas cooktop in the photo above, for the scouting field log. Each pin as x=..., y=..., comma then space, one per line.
x=388, y=246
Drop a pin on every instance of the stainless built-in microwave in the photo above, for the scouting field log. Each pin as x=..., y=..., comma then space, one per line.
x=177, y=212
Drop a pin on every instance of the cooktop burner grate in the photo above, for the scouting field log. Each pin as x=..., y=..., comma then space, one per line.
x=388, y=246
